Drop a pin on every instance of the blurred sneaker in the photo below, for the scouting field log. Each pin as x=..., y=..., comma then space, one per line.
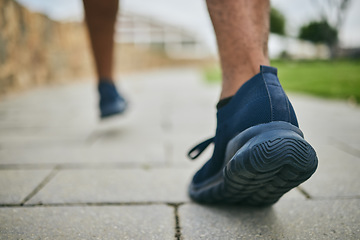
x=111, y=102
x=260, y=153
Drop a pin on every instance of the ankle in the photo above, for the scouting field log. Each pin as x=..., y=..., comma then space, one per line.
x=235, y=77
x=233, y=82
x=106, y=80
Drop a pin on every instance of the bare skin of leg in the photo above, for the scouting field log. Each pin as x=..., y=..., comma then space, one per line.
x=100, y=16
x=242, y=29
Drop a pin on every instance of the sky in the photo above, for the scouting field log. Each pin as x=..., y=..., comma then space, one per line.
x=192, y=14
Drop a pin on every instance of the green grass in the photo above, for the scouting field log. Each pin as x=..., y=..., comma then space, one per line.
x=331, y=79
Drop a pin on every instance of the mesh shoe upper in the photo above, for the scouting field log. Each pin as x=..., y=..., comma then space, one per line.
x=260, y=100
x=111, y=102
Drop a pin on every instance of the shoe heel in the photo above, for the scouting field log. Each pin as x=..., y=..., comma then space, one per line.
x=269, y=165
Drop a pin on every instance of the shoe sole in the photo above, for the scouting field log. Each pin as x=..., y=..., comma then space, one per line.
x=113, y=111
x=265, y=162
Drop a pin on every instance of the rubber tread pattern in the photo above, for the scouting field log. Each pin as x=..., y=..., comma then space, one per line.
x=263, y=173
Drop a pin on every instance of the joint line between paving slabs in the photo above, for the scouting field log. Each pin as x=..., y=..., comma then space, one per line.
x=91, y=204
x=304, y=192
x=176, y=206
x=346, y=148
x=42, y=184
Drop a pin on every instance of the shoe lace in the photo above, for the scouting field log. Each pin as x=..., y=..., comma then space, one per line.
x=198, y=149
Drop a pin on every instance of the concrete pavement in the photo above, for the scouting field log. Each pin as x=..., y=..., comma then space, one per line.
x=66, y=175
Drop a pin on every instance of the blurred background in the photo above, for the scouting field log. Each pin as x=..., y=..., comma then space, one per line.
x=315, y=44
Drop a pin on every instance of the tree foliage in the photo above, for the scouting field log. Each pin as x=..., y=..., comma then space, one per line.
x=319, y=32
x=332, y=14
x=277, y=22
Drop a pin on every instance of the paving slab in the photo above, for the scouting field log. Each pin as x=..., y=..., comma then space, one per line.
x=19, y=141
x=349, y=143
x=125, y=153
x=179, y=146
x=118, y=140
x=120, y=186
x=337, y=174
x=323, y=119
x=287, y=219
x=115, y=186
x=65, y=106
x=106, y=222
x=141, y=159
x=15, y=185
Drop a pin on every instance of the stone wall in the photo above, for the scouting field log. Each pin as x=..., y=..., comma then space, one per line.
x=35, y=50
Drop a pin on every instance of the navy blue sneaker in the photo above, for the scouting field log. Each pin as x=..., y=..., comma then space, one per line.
x=260, y=153
x=111, y=102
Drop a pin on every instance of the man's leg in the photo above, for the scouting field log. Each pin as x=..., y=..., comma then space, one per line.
x=259, y=152
x=100, y=16
x=242, y=29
